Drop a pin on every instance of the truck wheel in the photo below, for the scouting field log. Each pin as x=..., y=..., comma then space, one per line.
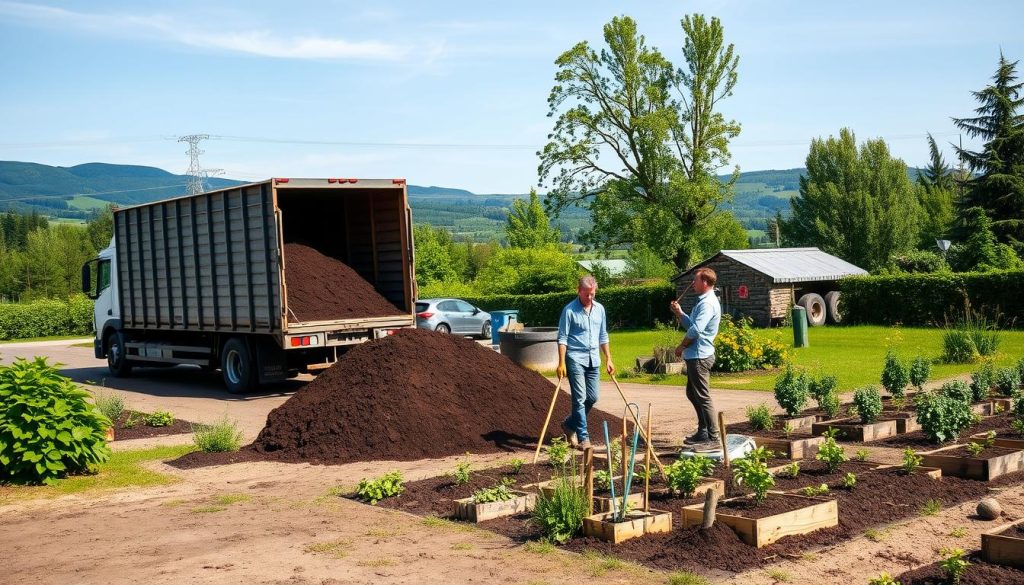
x=815, y=308
x=238, y=367
x=832, y=302
x=117, y=362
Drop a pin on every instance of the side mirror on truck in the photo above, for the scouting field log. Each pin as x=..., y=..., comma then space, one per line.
x=88, y=286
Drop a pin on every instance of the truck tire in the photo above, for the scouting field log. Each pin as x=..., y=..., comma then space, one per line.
x=832, y=303
x=814, y=305
x=238, y=366
x=117, y=362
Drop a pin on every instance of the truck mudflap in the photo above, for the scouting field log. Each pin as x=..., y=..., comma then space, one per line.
x=273, y=366
x=97, y=348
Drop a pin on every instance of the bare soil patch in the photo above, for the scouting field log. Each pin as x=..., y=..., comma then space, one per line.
x=140, y=430
x=979, y=573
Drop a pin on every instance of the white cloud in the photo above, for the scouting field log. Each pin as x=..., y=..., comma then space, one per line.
x=253, y=42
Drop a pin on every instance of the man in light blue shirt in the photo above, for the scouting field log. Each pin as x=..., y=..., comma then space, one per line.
x=582, y=330
x=698, y=349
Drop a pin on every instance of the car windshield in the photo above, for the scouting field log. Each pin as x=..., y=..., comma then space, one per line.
x=420, y=307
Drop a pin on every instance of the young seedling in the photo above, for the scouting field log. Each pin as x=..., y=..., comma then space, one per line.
x=990, y=440
x=787, y=430
x=792, y=470
x=684, y=475
x=760, y=417
x=752, y=471
x=958, y=532
x=954, y=563
x=386, y=486
x=517, y=465
x=862, y=455
x=911, y=461
x=602, y=479
x=821, y=490
x=831, y=453
x=462, y=473
x=558, y=451
x=931, y=507
x=498, y=493
x=883, y=579
x=975, y=449
x=849, y=480
x=160, y=418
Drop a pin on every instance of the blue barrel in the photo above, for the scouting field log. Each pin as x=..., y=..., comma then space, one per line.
x=500, y=319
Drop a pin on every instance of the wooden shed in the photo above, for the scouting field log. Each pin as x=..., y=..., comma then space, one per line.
x=764, y=283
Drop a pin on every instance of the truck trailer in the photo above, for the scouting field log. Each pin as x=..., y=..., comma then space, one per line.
x=203, y=279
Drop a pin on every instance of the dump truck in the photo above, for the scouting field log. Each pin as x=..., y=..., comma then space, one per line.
x=203, y=279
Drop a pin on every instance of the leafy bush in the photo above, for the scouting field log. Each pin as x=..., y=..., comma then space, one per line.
x=627, y=306
x=160, y=418
x=461, y=474
x=831, y=453
x=920, y=370
x=982, y=382
x=895, y=376
x=869, y=403
x=958, y=347
x=46, y=317
x=220, y=437
x=110, y=405
x=739, y=349
x=1007, y=381
x=944, y=414
x=685, y=474
x=791, y=391
x=524, y=271
x=820, y=388
x=558, y=451
x=47, y=427
x=760, y=417
x=386, y=486
x=929, y=299
x=830, y=404
x=498, y=493
x=560, y=515
x=917, y=261
x=752, y=471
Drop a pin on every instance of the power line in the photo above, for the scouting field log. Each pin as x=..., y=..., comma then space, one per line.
x=72, y=195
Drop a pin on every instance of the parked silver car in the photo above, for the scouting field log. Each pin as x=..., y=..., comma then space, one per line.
x=453, y=316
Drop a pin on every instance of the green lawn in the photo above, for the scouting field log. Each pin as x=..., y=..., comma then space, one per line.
x=124, y=469
x=853, y=354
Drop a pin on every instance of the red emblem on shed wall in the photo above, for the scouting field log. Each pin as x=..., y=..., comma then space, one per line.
x=742, y=291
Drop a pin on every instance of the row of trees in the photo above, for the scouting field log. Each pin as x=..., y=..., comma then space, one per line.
x=39, y=259
x=858, y=203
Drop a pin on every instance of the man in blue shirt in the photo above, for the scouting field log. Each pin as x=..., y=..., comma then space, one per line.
x=582, y=329
x=698, y=349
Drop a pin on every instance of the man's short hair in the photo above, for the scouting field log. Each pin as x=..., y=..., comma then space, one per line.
x=707, y=275
x=588, y=281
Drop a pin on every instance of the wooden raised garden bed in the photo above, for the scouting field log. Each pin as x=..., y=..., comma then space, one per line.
x=636, y=499
x=906, y=421
x=987, y=465
x=465, y=509
x=803, y=516
x=796, y=448
x=1004, y=545
x=851, y=429
x=637, y=523
x=932, y=472
x=1008, y=442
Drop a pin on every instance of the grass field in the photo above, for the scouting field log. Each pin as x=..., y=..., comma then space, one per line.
x=854, y=355
x=86, y=203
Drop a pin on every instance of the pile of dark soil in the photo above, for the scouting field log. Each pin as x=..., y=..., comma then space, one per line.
x=321, y=288
x=435, y=496
x=414, y=395
x=979, y=573
x=132, y=425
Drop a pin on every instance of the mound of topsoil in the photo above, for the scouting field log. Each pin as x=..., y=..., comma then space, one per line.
x=413, y=395
x=321, y=288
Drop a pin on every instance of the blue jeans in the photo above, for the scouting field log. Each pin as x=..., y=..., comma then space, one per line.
x=584, y=383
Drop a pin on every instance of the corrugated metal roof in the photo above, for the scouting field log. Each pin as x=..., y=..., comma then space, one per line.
x=791, y=264
x=614, y=267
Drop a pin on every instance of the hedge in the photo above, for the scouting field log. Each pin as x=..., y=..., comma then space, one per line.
x=46, y=317
x=631, y=306
x=933, y=299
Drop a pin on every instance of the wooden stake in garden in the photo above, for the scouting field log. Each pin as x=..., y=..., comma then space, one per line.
x=588, y=482
x=625, y=449
x=725, y=442
x=643, y=433
x=647, y=465
x=544, y=429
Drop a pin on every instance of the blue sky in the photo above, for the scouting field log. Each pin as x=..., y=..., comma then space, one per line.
x=454, y=93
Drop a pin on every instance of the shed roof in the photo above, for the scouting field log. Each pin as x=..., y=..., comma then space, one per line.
x=789, y=264
x=614, y=267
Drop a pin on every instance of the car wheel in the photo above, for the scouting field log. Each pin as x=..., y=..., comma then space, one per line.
x=117, y=361
x=237, y=366
x=443, y=328
x=486, y=332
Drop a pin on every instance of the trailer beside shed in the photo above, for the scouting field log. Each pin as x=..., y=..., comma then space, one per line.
x=764, y=283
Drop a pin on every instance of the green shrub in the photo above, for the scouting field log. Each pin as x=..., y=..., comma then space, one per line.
x=462, y=472
x=558, y=451
x=895, y=376
x=760, y=417
x=982, y=381
x=739, y=349
x=820, y=388
x=791, y=391
x=220, y=437
x=46, y=317
x=958, y=390
x=388, y=485
x=160, y=418
x=752, y=471
x=560, y=515
x=920, y=370
x=110, y=405
x=830, y=404
x=47, y=427
x=830, y=453
x=869, y=403
x=958, y=347
x=627, y=306
x=930, y=299
x=944, y=414
x=911, y=461
x=1007, y=380
x=686, y=473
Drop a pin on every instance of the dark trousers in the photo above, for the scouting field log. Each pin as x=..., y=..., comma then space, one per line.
x=698, y=392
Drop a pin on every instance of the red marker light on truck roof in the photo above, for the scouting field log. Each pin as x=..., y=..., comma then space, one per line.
x=398, y=181
x=279, y=181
